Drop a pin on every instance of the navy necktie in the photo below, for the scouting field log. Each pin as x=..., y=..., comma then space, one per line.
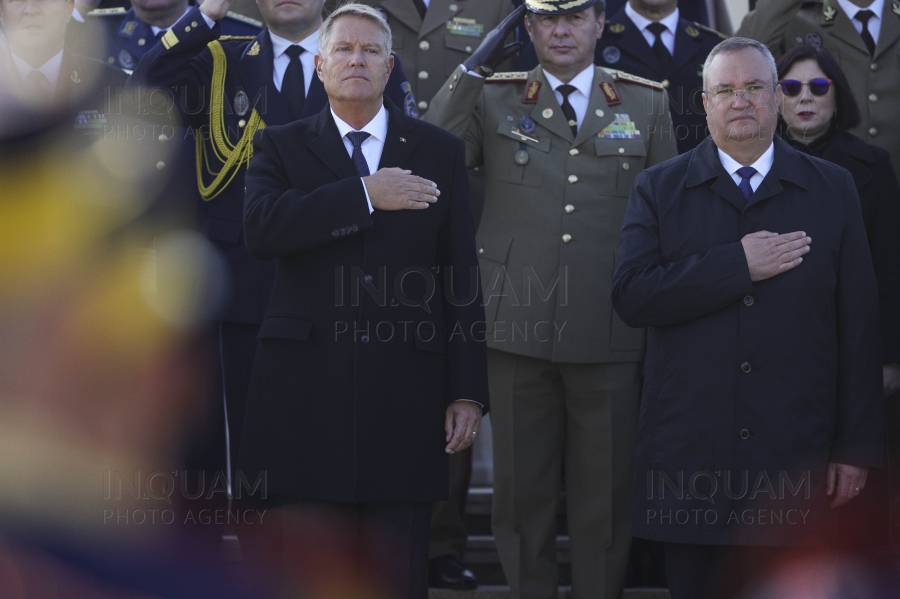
x=293, y=86
x=746, y=172
x=356, y=138
x=659, y=48
x=863, y=17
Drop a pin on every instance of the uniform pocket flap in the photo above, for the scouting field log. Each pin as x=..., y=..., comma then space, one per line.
x=222, y=230
x=620, y=147
x=285, y=327
x=429, y=338
x=508, y=129
x=463, y=43
x=494, y=247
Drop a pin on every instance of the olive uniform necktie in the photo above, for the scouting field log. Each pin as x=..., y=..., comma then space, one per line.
x=863, y=17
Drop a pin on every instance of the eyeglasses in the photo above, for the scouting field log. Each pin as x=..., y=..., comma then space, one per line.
x=817, y=87
x=751, y=92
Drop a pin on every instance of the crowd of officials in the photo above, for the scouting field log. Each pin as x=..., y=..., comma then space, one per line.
x=300, y=254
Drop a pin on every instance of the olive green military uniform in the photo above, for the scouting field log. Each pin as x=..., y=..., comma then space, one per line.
x=432, y=48
x=564, y=370
x=875, y=80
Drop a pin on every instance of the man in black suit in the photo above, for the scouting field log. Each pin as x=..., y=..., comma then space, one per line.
x=374, y=337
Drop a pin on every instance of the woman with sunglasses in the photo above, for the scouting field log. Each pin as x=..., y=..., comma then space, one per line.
x=817, y=112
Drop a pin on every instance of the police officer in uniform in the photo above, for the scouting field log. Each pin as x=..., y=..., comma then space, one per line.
x=561, y=146
x=227, y=88
x=648, y=38
x=864, y=37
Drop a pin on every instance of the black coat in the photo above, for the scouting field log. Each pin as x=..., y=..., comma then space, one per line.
x=187, y=68
x=363, y=346
x=623, y=47
x=771, y=378
x=879, y=198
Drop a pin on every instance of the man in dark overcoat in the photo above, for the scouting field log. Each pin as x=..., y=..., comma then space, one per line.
x=762, y=390
x=371, y=364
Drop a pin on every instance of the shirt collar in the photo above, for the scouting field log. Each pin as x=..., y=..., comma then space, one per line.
x=851, y=9
x=50, y=69
x=156, y=29
x=762, y=165
x=671, y=22
x=309, y=44
x=376, y=128
x=582, y=81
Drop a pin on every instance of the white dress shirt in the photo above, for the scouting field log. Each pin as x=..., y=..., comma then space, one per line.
x=310, y=47
x=581, y=96
x=762, y=165
x=668, y=36
x=50, y=69
x=373, y=145
x=874, y=25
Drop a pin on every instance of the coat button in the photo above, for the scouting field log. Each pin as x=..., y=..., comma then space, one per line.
x=745, y=367
x=745, y=434
x=141, y=42
x=665, y=83
x=469, y=49
x=163, y=137
x=480, y=250
x=335, y=233
x=566, y=238
x=573, y=179
x=160, y=165
x=748, y=300
x=573, y=152
x=367, y=278
x=453, y=8
x=873, y=131
x=621, y=150
x=873, y=97
x=354, y=228
x=423, y=105
x=364, y=338
x=423, y=75
x=570, y=208
x=625, y=166
x=242, y=123
x=424, y=45
x=187, y=29
x=193, y=23
x=598, y=112
x=874, y=66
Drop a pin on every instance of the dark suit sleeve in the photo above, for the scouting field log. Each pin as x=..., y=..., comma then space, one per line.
x=185, y=67
x=883, y=233
x=280, y=220
x=649, y=293
x=463, y=310
x=859, y=421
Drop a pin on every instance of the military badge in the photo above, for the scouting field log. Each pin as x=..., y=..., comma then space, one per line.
x=527, y=124
x=522, y=157
x=126, y=59
x=409, y=101
x=828, y=13
x=531, y=93
x=127, y=28
x=74, y=77
x=460, y=26
x=254, y=49
x=612, y=97
x=548, y=112
x=241, y=103
x=895, y=8
x=617, y=28
x=814, y=40
x=611, y=54
x=90, y=119
x=691, y=31
x=621, y=128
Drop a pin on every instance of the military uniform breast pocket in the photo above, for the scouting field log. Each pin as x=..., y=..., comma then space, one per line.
x=630, y=156
x=519, y=160
x=459, y=47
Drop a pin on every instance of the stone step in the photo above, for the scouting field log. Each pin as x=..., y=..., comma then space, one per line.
x=502, y=592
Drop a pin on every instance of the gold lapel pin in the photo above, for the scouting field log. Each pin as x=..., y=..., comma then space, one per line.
x=403, y=139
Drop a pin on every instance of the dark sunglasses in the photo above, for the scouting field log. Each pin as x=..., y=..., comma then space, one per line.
x=792, y=87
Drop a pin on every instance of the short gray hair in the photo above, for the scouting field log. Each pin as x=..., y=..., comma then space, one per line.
x=354, y=9
x=736, y=44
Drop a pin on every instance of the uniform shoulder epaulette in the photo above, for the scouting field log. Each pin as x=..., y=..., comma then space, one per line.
x=244, y=19
x=623, y=76
x=236, y=38
x=107, y=12
x=703, y=27
x=508, y=76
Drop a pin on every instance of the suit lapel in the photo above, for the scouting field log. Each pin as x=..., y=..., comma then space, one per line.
x=685, y=47
x=329, y=146
x=890, y=27
x=405, y=12
x=256, y=67
x=438, y=13
x=593, y=122
x=316, y=98
x=841, y=26
x=399, y=143
x=548, y=105
x=634, y=42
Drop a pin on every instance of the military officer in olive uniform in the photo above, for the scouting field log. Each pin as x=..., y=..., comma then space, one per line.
x=868, y=54
x=649, y=39
x=561, y=146
x=433, y=37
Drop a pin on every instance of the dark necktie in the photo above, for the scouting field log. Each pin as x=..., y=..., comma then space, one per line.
x=746, y=172
x=420, y=6
x=356, y=138
x=659, y=48
x=567, y=109
x=863, y=17
x=38, y=88
x=292, y=86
